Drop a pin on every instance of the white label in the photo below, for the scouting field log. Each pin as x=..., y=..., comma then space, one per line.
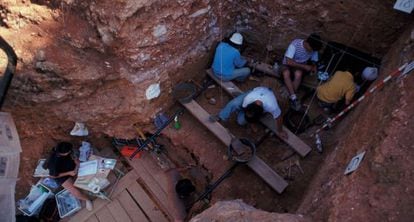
x=354, y=163
x=404, y=5
x=153, y=91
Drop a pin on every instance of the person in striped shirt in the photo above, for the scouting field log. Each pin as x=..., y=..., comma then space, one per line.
x=296, y=61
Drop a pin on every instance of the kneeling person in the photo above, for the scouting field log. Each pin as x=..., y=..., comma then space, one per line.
x=251, y=105
x=340, y=86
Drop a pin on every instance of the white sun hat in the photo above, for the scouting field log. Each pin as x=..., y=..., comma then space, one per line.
x=370, y=73
x=237, y=38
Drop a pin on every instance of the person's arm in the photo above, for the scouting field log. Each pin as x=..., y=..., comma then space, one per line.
x=176, y=204
x=349, y=95
x=239, y=61
x=279, y=125
x=69, y=173
x=309, y=68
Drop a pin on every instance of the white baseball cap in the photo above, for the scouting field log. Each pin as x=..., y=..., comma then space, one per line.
x=370, y=73
x=237, y=38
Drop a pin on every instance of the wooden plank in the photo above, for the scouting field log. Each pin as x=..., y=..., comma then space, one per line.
x=273, y=179
x=145, y=202
x=131, y=208
x=256, y=164
x=293, y=141
x=203, y=116
x=92, y=218
x=152, y=185
x=104, y=215
x=230, y=88
x=125, y=181
x=118, y=211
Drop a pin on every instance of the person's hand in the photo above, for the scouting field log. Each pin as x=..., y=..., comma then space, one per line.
x=72, y=173
x=312, y=68
x=283, y=134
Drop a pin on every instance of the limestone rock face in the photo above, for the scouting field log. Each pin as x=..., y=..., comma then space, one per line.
x=96, y=61
x=237, y=210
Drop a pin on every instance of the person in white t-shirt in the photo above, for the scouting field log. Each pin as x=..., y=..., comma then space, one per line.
x=295, y=64
x=250, y=106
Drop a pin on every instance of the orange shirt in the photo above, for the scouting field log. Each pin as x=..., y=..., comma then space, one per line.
x=340, y=85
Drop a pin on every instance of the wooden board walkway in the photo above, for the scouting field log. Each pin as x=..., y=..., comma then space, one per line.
x=256, y=164
x=293, y=141
x=132, y=201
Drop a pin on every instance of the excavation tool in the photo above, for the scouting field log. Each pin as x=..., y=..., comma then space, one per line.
x=156, y=134
x=404, y=69
x=210, y=188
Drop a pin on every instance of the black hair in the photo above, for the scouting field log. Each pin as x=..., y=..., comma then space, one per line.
x=314, y=42
x=253, y=112
x=184, y=188
x=64, y=147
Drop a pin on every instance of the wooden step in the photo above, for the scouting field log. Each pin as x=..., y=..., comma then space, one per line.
x=293, y=141
x=256, y=164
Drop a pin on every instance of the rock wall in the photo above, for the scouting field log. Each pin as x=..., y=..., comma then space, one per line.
x=94, y=61
x=370, y=26
x=381, y=189
x=98, y=61
x=237, y=210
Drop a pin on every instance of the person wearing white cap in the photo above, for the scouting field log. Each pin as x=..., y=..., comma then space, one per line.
x=370, y=73
x=228, y=64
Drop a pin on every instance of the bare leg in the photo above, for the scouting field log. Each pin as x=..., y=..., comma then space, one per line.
x=68, y=185
x=288, y=81
x=297, y=80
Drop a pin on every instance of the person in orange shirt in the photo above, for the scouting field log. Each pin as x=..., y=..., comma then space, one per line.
x=340, y=86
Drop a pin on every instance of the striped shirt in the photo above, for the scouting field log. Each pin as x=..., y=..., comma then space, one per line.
x=298, y=53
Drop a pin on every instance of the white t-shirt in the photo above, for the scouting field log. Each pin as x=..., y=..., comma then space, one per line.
x=298, y=53
x=266, y=96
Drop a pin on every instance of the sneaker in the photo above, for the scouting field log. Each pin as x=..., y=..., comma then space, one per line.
x=89, y=205
x=214, y=118
x=295, y=104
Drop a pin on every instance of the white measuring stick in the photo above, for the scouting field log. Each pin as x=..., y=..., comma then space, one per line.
x=368, y=93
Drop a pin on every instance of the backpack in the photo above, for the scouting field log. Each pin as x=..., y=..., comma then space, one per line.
x=49, y=211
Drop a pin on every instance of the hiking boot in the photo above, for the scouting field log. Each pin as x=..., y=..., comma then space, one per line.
x=214, y=118
x=89, y=205
x=295, y=104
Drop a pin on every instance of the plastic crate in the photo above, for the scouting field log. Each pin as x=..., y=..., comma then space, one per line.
x=31, y=204
x=66, y=203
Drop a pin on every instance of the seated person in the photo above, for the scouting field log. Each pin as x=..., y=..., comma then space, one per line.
x=251, y=105
x=341, y=85
x=63, y=168
x=228, y=63
x=295, y=63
